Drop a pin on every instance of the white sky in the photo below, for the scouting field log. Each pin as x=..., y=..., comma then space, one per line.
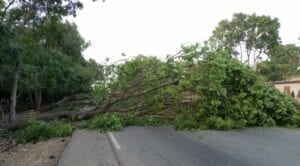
x=159, y=27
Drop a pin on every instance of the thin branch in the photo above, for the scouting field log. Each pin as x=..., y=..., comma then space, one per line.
x=105, y=107
x=175, y=56
x=6, y=9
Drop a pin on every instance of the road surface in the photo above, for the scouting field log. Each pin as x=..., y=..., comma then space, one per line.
x=88, y=148
x=163, y=146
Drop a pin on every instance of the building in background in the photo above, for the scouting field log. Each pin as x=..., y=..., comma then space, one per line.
x=290, y=86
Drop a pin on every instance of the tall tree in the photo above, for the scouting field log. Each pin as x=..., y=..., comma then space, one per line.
x=18, y=15
x=53, y=64
x=11, y=54
x=249, y=36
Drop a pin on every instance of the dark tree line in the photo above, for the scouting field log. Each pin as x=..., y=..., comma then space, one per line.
x=40, y=54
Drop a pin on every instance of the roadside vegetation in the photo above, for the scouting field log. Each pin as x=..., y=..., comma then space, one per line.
x=35, y=130
x=222, y=84
x=117, y=121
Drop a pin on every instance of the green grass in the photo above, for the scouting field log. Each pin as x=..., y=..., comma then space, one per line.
x=35, y=130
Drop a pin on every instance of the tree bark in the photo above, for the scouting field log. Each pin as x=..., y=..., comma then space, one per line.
x=13, y=97
x=248, y=57
x=241, y=53
x=38, y=100
x=2, y=114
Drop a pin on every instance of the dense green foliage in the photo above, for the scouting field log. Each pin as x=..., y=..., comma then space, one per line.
x=41, y=55
x=51, y=67
x=232, y=95
x=39, y=130
x=215, y=92
x=56, y=67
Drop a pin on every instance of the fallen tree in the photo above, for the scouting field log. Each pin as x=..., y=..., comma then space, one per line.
x=82, y=98
x=114, y=94
x=215, y=92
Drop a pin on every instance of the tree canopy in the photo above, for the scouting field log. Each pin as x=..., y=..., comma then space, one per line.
x=247, y=37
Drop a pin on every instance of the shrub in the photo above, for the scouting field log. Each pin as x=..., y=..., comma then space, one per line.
x=36, y=130
x=105, y=123
x=187, y=122
x=117, y=121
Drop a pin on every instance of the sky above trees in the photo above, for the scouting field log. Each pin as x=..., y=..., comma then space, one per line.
x=159, y=27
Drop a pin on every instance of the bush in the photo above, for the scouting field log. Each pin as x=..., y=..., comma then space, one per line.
x=105, y=123
x=186, y=122
x=36, y=130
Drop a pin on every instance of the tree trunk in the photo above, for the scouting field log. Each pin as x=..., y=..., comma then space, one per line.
x=38, y=100
x=254, y=61
x=13, y=97
x=31, y=100
x=248, y=57
x=241, y=53
x=2, y=114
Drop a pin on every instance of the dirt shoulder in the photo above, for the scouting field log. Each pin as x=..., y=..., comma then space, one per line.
x=44, y=153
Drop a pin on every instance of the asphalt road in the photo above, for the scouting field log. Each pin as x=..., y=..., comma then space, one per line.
x=163, y=146
x=88, y=148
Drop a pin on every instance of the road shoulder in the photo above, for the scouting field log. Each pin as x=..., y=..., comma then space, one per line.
x=88, y=148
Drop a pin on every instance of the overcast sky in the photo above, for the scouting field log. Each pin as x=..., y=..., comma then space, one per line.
x=159, y=27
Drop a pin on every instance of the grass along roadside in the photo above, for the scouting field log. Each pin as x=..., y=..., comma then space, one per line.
x=35, y=130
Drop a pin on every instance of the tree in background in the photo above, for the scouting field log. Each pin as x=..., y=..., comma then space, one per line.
x=39, y=47
x=11, y=58
x=283, y=63
x=249, y=36
x=31, y=12
x=54, y=61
